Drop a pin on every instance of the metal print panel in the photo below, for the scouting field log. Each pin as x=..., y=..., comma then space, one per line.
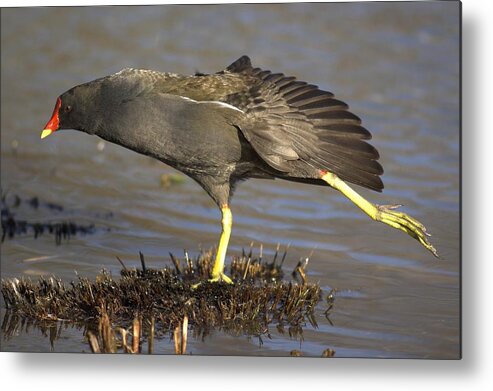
x=235, y=179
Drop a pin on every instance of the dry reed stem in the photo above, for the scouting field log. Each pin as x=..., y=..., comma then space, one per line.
x=180, y=336
x=124, y=334
x=184, y=335
x=137, y=326
x=108, y=335
x=150, y=340
x=93, y=342
x=176, y=339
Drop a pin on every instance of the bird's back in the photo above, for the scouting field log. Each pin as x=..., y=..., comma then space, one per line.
x=297, y=129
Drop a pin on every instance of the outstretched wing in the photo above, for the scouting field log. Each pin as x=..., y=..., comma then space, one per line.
x=289, y=121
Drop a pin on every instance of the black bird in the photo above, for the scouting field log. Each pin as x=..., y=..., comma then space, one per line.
x=239, y=123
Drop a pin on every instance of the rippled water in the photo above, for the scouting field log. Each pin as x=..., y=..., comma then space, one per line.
x=397, y=65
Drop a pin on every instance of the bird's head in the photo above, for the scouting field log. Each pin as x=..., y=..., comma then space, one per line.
x=74, y=109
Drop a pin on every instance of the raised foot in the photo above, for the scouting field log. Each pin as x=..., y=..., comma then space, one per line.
x=402, y=221
x=218, y=278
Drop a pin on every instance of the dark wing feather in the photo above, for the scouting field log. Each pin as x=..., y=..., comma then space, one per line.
x=288, y=121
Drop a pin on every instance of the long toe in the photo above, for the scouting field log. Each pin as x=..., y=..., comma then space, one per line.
x=387, y=214
x=221, y=277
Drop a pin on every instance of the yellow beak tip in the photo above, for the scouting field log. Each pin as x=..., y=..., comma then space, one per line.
x=46, y=133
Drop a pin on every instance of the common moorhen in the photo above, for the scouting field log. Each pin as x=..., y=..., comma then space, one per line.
x=239, y=123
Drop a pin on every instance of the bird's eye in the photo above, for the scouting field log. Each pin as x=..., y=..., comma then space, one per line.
x=67, y=108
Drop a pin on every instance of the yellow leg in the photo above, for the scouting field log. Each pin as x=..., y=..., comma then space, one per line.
x=218, y=268
x=383, y=213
